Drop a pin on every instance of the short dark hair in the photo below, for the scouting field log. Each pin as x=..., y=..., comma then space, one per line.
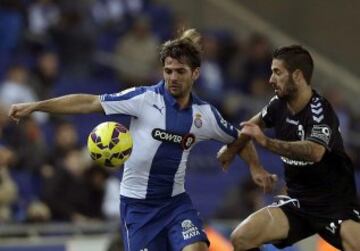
x=296, y=57
x=187, y=47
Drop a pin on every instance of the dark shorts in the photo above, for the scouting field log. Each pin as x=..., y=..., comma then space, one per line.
x=166, y=225
x=303, y=223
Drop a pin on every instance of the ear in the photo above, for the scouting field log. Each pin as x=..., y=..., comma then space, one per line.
x=297, y=75
x=196, y=74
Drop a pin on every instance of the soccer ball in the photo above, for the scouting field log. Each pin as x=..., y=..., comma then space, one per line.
x=110, y=144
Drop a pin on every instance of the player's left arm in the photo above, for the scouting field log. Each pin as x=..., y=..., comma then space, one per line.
x=244, y=147
x=300, y=150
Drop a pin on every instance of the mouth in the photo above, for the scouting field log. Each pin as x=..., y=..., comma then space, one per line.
x=276, y=89
x=174, y=87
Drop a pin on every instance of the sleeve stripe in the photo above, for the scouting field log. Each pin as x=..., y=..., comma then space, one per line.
x=124, y=95
x=223, y=124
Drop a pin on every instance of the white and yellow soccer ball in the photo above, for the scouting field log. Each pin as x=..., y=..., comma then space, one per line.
x=110, y=144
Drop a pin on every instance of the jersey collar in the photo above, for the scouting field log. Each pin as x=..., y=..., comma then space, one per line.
x=171, y=100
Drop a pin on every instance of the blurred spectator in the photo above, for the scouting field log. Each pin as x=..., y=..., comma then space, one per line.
x=211, y=84
x=96, y=178
x=110, y=204
x=137, y=54
x=41, y=16
x=260, y=88
x=74, y=36
x=109, y=12
x=16, y=89
x=116, y=244
x=8, y=190
x=258, y=61
x=337, y=100
x=66, y=139
x=6, y=157
x=11, y=24
x=45, y=74
x=68, y=193
x=37, y=212
x=3, y=120
x=30, y=146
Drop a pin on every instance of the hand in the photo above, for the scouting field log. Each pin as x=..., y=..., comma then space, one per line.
x=252, y=130
x=263, y=178
x=21, y=110
x=225, y=157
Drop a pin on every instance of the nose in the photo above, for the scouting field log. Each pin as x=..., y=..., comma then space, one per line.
x=272, y=79
x=173, y=76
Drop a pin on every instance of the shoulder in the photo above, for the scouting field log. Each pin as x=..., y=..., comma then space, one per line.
x=274, y=104
x=133, y=92
x=320, y=108
x=199, y=105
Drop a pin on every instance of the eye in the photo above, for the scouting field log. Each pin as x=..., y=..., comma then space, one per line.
x=167, y=71
x=277, y=72
x=181, y=71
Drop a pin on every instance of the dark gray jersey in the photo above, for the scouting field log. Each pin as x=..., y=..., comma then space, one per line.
x=320, y=185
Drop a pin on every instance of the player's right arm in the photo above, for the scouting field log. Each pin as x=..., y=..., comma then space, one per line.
x=68, y=104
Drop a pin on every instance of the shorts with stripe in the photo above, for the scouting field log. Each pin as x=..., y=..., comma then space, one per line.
x=304, y=223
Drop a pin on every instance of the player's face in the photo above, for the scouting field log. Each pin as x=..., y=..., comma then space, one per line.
x=179, y=77
x=281, y=80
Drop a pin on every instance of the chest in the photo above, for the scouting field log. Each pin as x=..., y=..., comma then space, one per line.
x=291, y=128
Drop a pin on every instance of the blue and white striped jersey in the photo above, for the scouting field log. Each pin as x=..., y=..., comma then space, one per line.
x=163, y=136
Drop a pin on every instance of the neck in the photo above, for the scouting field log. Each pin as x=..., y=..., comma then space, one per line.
x=183, y=102
x=297, y=103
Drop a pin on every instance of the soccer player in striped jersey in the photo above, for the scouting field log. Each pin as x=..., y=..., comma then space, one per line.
x=167, y=121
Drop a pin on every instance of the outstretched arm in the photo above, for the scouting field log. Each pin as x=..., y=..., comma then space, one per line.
x=68, y=104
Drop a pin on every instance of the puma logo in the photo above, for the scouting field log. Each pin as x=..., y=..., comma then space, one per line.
x=157, y=108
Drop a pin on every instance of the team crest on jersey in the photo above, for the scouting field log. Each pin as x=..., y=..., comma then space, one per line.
x=198, y=121
x=189, y=230
x=185, y=141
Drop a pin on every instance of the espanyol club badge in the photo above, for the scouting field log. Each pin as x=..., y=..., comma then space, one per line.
x=197, y=120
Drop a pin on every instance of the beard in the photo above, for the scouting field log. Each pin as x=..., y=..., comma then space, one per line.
x=290, y=90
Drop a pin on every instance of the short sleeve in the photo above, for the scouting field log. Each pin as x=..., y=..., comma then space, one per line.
x=322, y=125
x=127, y=102
x=221, y=129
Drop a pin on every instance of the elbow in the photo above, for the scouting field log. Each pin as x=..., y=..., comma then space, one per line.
x=317, y=152
x=316, y=156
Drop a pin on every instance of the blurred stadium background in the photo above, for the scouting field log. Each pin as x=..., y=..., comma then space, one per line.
x=51, y=196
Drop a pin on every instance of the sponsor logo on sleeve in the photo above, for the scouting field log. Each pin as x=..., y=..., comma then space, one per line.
x=321, y=132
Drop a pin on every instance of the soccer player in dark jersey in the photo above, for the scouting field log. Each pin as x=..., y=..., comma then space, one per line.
x=321, y=194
